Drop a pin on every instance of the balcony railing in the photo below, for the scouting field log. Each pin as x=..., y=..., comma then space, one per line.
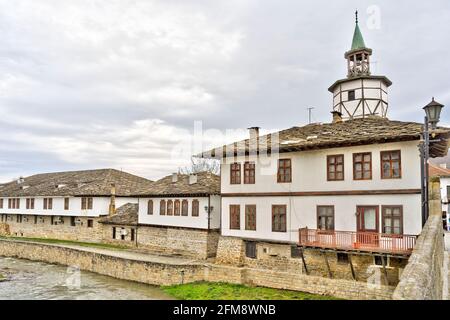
x=360, y=241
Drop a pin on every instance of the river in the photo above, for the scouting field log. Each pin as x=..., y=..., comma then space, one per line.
x=42, y=281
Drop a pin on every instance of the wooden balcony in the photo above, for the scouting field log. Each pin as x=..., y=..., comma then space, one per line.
x=357, y=241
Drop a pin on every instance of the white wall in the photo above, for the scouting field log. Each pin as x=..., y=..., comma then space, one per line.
x=309, y=175
x=445, y=182
x=200, y=222
x=302, y=212
x=100, y=206
x=309, y=171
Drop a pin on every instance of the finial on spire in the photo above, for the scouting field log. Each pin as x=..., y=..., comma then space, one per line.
x=356, y=14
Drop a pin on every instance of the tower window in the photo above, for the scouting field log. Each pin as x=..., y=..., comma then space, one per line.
x=351, y=95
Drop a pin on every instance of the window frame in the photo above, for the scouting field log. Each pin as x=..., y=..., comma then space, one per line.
x=278, y=206
x=318, y=218
x=391, y=171
x=363, y=154
x=66, y=203
x=250, y=210
x=169, y=212
x=335, y=164
x=235, y=216
x=184, y=208
x=195, y=208
x=351, y=95
x=150, y=207
x=384, y=215
x=235, y=173
x=284, y=167
x=177, y=208
x=162, y=207
x=249, y=172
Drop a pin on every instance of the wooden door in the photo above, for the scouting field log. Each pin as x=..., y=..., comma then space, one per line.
x=367, y=225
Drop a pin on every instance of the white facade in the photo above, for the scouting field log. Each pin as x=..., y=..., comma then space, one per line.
x=200, y=222
x=309, y=188
x=445, y=183
x=100, y=206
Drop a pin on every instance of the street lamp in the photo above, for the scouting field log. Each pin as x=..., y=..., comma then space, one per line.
x=432, y=115
x=433, y=112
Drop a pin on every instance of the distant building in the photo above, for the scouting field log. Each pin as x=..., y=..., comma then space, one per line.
x=444, y=177
x=66, y=205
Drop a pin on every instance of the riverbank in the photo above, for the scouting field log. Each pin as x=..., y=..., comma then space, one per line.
x=226, y=291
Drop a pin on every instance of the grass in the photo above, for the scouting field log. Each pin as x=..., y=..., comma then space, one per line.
x=225, y=291
x=69, y=242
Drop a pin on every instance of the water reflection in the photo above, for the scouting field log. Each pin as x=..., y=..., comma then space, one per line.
x=36, y=280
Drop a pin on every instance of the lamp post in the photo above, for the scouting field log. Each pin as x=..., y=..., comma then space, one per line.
x=432, y=115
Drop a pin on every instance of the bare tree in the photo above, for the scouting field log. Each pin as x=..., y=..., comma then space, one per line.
x=201, y=165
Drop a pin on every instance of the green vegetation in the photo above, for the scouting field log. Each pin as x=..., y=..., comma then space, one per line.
x=69, y=242
x=225, y=291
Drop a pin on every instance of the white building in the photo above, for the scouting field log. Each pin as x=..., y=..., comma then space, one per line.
x=353, y=184
x=444, y=178
x=65, y=205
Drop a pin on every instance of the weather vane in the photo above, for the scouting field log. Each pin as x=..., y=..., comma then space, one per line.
x=356, y=14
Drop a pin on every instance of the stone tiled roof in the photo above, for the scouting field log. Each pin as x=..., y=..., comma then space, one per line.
x=76, y=183
x=363, y=131
x=435, y=171
x=207, y=184
x=125, y=215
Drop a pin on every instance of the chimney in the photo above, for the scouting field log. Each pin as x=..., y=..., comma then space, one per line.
x=174, y=177
x=192, y=178
x=337, y=116
x=112, y=203
x=254, y=139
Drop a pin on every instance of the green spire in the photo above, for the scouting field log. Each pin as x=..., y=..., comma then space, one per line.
x=358, y=41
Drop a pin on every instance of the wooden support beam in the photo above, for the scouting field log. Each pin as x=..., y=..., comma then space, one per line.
x=351, y=267
x=304, y=261
x=384, y=270
x=330, y=275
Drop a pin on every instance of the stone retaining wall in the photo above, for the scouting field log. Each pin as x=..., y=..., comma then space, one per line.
x=169, y=274
x=422, y=279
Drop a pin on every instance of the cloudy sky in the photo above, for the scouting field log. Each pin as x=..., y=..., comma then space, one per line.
x=126, y=84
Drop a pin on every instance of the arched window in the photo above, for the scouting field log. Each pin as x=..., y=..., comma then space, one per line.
x=169, y=207
x=184, y=208
x=150, y=207
x=195, y=208
x=177, y=208
x=162, y=208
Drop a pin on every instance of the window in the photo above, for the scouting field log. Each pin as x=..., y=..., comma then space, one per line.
x=35, y=219
x=362, y=166
x=150, y=207
x=90, y=223
x=169, y=207
x=235, y=173
x=325, y=217
x=14, y=203
x=184, y=208
x=86, y=203
x=66, y=203
x=342, y=258
x=279, y=218
x=235, y=217
x=284, y=171
x=335, y=167
x=19, y=218
x=249, y=173
x=392, y=219
x=1, y=203
x=195, y=208
x=250, y=249
x=378, y=260
x=132, y=235
x=177, y=208
x=72, y=222
x=48, y=203
x=114, y=232
x=391, y=165
x=351, y=95
x=30, y=203
x=162, y=208
x=52, y=219
x=250, y=217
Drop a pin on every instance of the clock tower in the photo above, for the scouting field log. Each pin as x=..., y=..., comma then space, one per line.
x=361, y=94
